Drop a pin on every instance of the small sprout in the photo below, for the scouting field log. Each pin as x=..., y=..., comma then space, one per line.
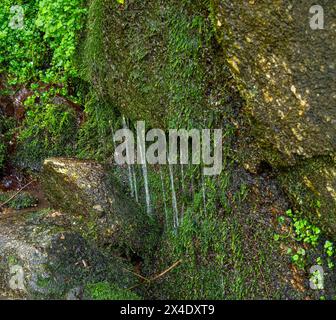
x=301, y=251
x=276, y=237
x=329, y=248
x=295, y=257
x=330, y=263
x=289, y=212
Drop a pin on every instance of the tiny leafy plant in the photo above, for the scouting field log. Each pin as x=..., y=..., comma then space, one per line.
x=329, y=248
x=299, y=258
x=304, y=231
x=307, y=233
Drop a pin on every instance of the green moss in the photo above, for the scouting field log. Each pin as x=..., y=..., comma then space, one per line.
x=95, y=135
x=157, y=62
x=107, y=291
x=48, y=130
x=224, y=245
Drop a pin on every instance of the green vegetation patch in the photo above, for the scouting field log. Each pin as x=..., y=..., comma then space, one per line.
x=22, y=200
x=108, y=291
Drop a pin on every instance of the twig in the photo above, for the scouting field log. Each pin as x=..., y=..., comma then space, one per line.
x=167, y=270
x=12, y=197
x=138, y=275
x=155, y=277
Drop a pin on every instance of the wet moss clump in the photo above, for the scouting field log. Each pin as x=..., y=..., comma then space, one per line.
x=48, y=130
x=156, y=61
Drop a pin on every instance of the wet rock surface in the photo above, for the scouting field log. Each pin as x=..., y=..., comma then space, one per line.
x=285, y=71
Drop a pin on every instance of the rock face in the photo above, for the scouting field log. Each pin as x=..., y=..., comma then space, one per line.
x=42, y=257
x=282, y=68
x=286, y=72
x=99, y=205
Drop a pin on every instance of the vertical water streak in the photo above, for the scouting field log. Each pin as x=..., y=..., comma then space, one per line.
x=174, y=201
x=164, y=197
x=130, y=177
x=135, y=183
x=183, y=191
x=141, y=148
x=204, y=194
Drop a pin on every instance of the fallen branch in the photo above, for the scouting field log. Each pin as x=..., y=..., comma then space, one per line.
x=16, y=194
x=155, y=277
x=138, y=275
x=167, y=270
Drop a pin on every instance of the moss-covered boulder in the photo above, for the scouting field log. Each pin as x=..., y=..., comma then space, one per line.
x=286, y=72
x=41, y=256
x=156, y=61
x=99, y=205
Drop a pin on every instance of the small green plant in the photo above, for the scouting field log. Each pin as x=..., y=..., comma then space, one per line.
x=304, y=231
x=309, y=234
x=319, y=261
x=329, y=248
x=299, y=258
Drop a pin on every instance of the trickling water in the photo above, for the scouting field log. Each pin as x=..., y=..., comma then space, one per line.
x=130, y=176
x=135, y=183
x=192, y=182
x=174, y=201
x=164, y=197
x=182, y=177
x=183, y=189
x=145, y=175
x=204, y=195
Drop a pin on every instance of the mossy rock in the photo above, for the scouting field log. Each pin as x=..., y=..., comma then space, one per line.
x=285, y=71
x=43, y=258
x=96, y=200
x=156, y=61
x=312, y=188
